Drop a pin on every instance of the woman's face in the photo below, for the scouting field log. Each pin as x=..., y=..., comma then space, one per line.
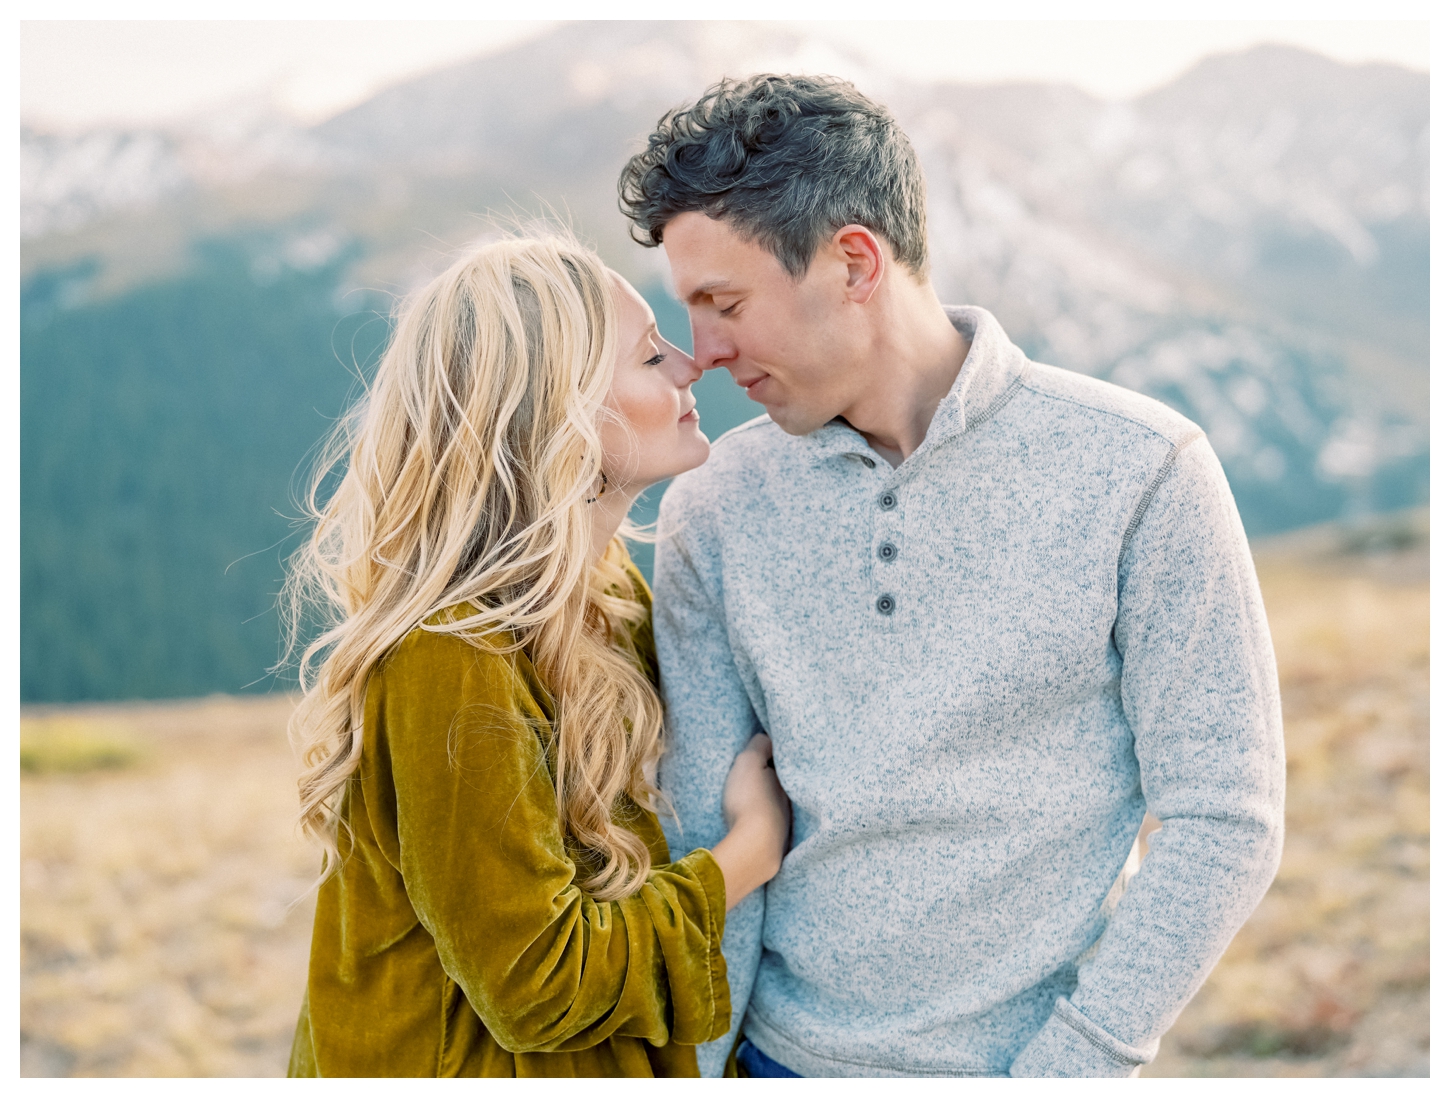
x=654, y=432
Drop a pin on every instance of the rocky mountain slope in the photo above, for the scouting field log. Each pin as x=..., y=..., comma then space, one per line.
x=1249, y=243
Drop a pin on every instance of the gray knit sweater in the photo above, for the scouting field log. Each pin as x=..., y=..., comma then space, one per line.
x=978, y=670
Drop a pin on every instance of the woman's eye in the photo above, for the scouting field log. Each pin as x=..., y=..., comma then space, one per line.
x=654, y=361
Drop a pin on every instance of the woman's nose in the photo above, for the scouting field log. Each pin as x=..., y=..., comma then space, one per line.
x=686, y=371
x=694, y=373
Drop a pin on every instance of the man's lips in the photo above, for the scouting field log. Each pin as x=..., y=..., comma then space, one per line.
x=751, y=385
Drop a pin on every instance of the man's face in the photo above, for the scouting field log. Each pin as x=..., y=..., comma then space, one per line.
x=786, y=342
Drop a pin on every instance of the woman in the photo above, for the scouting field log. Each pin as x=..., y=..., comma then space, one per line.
x=480, y=724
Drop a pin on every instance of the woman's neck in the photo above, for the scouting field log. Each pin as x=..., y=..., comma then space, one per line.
x=608, y=512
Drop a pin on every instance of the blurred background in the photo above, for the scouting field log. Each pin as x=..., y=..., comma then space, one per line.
x=217, y=218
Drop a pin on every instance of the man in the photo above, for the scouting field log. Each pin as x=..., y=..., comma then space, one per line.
x=989, y=612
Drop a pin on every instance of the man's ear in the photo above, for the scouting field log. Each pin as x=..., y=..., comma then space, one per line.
x=865, y=261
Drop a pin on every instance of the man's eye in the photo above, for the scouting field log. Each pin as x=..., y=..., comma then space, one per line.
x=727, y=312
x=654, y=361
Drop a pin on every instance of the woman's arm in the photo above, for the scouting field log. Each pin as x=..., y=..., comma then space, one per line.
x=754, y=808
x=757, y=812
x=456, y=762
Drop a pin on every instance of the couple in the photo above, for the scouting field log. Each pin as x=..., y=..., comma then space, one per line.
x=931, y=638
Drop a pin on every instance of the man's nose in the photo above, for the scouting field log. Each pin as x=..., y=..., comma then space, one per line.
x=711, y=348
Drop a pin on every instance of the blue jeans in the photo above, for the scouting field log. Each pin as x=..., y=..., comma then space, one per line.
x=755, y=1064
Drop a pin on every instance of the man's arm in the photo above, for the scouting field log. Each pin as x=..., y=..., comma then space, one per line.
x=1200, y=690
x=710, y=718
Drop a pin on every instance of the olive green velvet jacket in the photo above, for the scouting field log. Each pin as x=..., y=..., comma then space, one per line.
x=454, y=939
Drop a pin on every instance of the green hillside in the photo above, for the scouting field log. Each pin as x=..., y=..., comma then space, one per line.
x=161, y=433
x=182, y=352
x=164, y=432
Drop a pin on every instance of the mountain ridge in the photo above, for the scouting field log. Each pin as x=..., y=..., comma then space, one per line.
x=1248, y=243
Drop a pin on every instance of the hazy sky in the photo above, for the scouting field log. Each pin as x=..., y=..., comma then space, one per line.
x=77, y=73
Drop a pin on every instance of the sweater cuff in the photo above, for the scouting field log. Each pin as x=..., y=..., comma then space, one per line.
x=1070, y=1046
x=707, y=872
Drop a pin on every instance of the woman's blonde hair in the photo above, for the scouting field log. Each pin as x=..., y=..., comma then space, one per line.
x=470, y=464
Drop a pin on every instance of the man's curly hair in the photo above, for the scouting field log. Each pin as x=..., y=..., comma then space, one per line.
x=786, y=161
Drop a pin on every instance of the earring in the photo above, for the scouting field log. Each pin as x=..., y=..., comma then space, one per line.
x=603, y=484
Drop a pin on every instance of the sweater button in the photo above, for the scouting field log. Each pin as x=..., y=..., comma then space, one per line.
x=885, y=604
x=887, y=501
x=870, y=463
x=887, y=551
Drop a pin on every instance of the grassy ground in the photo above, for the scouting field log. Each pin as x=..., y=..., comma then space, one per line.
x=156, y=935
x=159, y=863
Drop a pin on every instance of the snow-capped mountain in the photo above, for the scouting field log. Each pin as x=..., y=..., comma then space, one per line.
x=1249, y=242
x=69, y=180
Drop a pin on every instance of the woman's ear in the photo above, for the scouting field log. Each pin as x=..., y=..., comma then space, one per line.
x=864, y=259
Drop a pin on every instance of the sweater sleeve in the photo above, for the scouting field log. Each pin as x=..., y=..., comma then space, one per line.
x=1200, y=691
x=710, y=717
x=458, y=763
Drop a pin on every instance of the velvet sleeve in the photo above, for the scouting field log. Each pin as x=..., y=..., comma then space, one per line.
x=458, y=763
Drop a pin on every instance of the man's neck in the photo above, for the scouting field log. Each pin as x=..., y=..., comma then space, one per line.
x=914, y=358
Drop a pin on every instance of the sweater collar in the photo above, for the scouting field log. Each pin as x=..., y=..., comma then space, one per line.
x=989, y=376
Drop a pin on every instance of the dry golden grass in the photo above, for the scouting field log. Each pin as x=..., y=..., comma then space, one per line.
x=67, y=745
x=156, y=936
x=155, y=932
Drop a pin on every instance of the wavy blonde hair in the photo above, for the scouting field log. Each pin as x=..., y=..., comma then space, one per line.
x=469, y=464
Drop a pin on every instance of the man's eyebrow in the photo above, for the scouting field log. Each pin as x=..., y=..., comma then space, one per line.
x=704, y=289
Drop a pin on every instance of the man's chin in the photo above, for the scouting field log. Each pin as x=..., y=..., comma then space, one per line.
x=793, y=422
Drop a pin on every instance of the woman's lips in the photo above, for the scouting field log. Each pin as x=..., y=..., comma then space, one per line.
x=691, y=416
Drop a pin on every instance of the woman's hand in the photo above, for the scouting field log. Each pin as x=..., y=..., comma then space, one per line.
x=757, y=812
